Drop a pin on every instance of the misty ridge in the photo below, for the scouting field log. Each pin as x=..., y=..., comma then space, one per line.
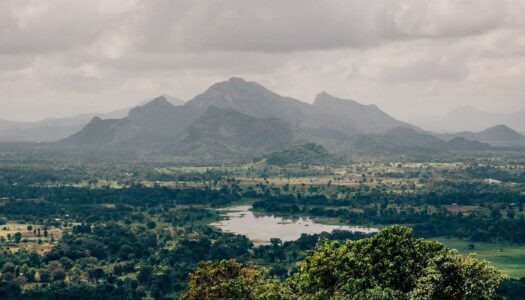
x=237, y=120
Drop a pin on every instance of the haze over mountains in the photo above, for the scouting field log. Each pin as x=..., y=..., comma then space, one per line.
x=466, y=118
x=237, y=119
x=53, y=129
x=499, y=135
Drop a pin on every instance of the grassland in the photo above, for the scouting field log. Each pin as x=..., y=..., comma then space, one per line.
x=508, y=258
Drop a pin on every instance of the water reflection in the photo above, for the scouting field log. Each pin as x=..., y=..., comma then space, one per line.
x=260, y=228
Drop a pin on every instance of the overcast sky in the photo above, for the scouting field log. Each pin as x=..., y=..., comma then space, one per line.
x=409, y=57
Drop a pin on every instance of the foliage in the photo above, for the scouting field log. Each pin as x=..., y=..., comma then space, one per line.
x=301, y=154
x=389, y=265
x=452, y=276
x=225, y=279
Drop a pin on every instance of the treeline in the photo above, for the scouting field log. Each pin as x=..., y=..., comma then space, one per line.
x=34, y=203
x=208, y=175
x=476, y=228
x=483, y=172
x=432, y=212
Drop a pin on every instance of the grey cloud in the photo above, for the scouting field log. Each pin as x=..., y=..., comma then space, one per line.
x=56, y=25
x=310, y=25
x=423, y=70
x=61, y=57
x=240, y=25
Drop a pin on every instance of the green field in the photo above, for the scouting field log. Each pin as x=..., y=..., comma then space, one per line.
x=509, y=258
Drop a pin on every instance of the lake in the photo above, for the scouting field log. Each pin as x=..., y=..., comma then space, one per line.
x=260, y=227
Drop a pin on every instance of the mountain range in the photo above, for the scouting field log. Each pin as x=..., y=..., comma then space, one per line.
x=235, y=119
x=240, y=120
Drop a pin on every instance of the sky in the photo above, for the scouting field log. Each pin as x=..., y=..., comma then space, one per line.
x=412, y=58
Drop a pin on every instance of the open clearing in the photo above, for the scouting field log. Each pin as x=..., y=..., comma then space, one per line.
x=508, y=258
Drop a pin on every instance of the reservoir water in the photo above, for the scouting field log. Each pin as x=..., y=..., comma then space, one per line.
x=260, y=228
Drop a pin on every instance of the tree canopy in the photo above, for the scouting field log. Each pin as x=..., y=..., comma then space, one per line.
x=389, y=265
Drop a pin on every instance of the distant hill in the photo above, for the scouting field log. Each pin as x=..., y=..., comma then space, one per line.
x=113, y=134
x=411, y=138
x=301, y=154
x=462, y=144
x=51, y=129
x=499, y=135
x=466, y=118
x=406, y=140
x=54, y=129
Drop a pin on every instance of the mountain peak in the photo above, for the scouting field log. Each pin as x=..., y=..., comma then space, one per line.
x=237, y=84
x=95, y=119
x=234, y=79
x=160, y=100
x=249, y=98
x=324, y=98
x=501, y=131
x=324, y=94
x=160, y=103
x=500, y=128
x=231, y=87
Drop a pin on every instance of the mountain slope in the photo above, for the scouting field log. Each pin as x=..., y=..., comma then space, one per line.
x=409, y=141
x=516, y=121
x=229, y=134
x=351, y=117
x=161, y=117
x=410, y=138
x=113, y=134
x=462, y=144
x=501, y=135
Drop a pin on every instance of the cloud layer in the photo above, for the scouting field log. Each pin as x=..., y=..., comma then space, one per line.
x=410, y=57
